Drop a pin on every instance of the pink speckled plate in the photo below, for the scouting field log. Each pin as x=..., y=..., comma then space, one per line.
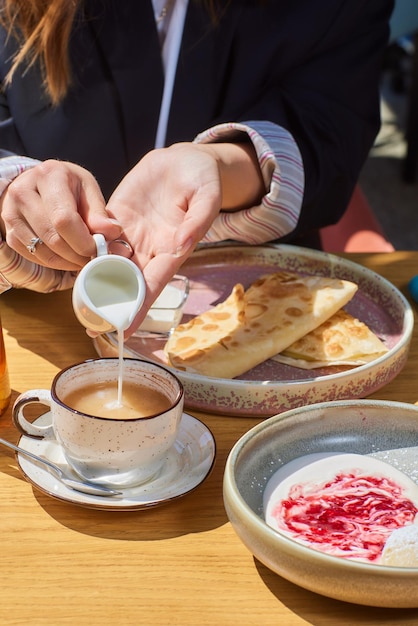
x=272, y=387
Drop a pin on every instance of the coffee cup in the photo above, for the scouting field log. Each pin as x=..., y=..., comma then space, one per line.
x=108, y=292
x=104, y=440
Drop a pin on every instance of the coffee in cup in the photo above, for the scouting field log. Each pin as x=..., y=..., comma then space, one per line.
x=104, y=440
x=101, y=399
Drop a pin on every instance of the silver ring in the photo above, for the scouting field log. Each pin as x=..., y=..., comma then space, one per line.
x=126, y=251
x=33, y=243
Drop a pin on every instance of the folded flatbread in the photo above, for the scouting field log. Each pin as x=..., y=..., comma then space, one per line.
x=341, y=340
x=254, y=325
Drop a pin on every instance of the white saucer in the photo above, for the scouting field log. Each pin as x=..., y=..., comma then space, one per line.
x=188, y=463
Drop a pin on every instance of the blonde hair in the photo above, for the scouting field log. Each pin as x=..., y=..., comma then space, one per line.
x=42, y=29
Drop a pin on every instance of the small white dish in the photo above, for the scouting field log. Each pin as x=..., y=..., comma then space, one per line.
x=187, y=465
x=166, y=312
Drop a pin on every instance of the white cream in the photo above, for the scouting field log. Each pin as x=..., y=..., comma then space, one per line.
x=401, y=548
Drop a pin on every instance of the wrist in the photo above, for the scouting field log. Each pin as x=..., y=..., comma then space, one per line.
x=240, y=174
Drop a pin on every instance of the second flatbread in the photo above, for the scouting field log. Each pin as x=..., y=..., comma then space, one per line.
x=341, y=340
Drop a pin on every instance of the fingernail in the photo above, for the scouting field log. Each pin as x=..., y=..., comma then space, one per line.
x=115, y=222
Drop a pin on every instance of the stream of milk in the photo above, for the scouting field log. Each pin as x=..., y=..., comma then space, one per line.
x=120, y=315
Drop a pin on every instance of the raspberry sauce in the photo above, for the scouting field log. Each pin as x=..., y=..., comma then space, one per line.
x=350, y=516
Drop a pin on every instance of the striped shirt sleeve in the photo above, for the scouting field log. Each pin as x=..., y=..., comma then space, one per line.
x=282, y=170
x=13, y=165
x=16, y=271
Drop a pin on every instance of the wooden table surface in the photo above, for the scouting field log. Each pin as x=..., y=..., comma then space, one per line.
x=180, y=563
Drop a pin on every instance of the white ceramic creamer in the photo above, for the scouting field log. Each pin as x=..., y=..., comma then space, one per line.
x=108, y=292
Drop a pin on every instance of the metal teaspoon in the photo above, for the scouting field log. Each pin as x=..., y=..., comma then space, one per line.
x=82, y=487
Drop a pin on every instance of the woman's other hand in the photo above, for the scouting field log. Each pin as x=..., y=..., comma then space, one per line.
x=61, y=204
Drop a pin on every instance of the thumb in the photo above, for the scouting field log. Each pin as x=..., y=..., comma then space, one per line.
x=95, y=214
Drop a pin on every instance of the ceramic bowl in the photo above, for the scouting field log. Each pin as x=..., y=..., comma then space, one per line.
x=386, y=430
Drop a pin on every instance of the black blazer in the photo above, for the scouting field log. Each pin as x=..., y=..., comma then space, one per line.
x=312, y=67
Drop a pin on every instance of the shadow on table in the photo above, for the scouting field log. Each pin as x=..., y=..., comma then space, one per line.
x=322, y=611
x=198, y=511
x=35, y=320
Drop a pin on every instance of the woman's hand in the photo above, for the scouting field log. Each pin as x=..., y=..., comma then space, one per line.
x=169, y=200
x=61, y=203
